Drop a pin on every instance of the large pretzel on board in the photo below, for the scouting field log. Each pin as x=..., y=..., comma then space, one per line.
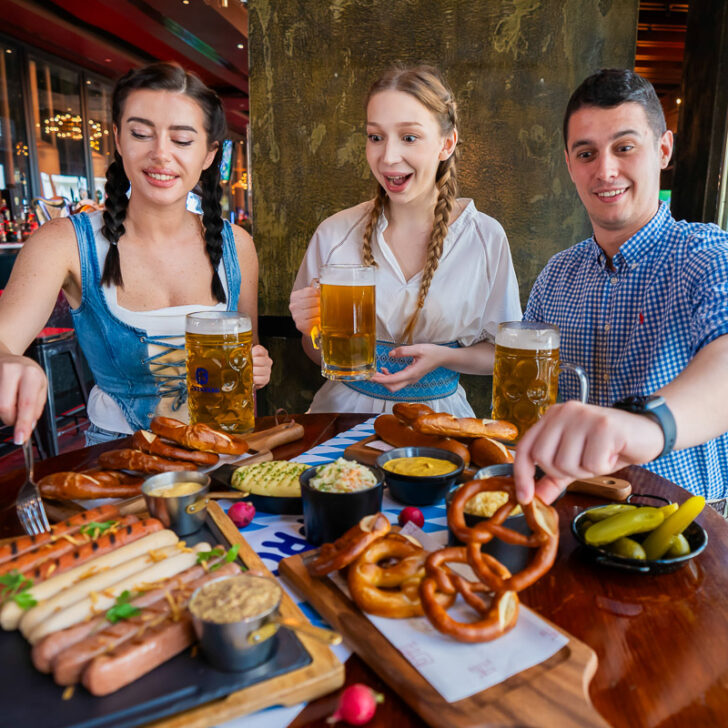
x=199, y=436
x=541, y=519
x=346, y=548
x=498, y=612
x=390, y=589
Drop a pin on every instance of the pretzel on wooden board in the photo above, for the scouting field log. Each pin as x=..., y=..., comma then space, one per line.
x=498, y=613
x=139, y=462
x=199, y=436
x=541, y=519
x=154, y=445
x=390, y=590
x=486, y=451
x=446, y=425
x=346, y=548
x=89, y=485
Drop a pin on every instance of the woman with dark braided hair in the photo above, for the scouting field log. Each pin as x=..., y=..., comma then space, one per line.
x=133, y=272
x=444, y=273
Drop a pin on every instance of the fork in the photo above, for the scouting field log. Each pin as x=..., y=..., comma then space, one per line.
x=28, y=504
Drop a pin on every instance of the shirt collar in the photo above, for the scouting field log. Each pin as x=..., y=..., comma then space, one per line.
x=641, y=245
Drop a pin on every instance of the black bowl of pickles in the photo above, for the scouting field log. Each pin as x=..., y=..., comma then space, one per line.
x=640, y=538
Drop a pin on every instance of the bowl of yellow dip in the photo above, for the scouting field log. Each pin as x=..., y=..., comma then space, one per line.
x=420, y=476
x=168, y=494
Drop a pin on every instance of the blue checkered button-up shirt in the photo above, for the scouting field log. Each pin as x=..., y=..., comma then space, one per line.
x=634, y=328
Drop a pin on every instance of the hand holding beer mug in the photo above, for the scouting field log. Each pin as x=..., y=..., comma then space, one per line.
x=526, y=372
x=347, y=334
x=220, y=370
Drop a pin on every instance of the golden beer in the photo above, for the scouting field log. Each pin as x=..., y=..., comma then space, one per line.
x=526, y=372
x=348, y=322
x=220, y=370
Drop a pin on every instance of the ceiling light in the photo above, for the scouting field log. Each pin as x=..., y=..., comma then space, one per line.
x=678, y=101
x=241, y=46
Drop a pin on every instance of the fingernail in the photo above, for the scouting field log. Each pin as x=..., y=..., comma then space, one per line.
x=19, y=438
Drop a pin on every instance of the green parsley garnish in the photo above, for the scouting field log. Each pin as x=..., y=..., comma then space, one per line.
x=217, y=552
x=122, y=609
x=14, y=587
x=229, y=556
x=207, y=555
x=94, y=529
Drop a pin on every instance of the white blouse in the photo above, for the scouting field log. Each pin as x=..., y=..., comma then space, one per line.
x=473, y=289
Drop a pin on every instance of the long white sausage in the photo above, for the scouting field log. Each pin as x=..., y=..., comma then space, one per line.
x=97, y=582
x=94, y=604
x=11, y=613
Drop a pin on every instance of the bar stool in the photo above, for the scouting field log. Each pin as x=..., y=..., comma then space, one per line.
x=52, y=341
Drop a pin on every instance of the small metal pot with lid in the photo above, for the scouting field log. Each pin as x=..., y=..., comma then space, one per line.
x=170, y=495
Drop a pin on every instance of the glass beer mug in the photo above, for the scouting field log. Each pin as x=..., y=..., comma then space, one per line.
x=348, y=330
x=526, y=372
x=220, y=370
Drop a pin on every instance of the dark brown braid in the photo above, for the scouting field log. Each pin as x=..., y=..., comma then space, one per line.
x=117, y=185
x=366, y=250
x=167, y=77
x=427, y=85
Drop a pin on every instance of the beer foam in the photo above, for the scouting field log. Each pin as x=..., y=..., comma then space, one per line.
x=347, y=275
x=528, y=338
x=217, y=322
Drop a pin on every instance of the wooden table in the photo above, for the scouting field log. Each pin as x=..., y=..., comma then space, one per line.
x=661, y=641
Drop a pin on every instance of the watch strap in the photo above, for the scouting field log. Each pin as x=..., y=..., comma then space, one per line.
x=655, y=407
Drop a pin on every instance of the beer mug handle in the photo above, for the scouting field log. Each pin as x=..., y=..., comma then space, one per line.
x=583, y=381
x=315, y=332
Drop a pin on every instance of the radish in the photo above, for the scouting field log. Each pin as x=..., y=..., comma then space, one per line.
x=241, y=513
x=357, y=705
x=411, y=514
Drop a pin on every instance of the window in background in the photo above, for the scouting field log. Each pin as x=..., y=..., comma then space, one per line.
x=14, y=164
x=56, y=107
x=100, y=136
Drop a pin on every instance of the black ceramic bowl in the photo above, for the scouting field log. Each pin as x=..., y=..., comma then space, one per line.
x=695, y=534
x=284, y=505
x=418, y=490
x=328, y=515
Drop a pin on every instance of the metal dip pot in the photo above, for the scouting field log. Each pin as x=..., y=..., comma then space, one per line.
x=173, y=510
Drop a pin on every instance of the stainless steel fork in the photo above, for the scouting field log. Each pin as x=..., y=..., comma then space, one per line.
x=28, y=504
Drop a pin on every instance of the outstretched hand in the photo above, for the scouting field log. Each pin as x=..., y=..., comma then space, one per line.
x=23, y=386
x=425, y=358
x=574, y=441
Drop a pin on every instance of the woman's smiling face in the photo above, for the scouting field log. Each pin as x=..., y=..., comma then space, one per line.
x=405, y=145
x=163, y=143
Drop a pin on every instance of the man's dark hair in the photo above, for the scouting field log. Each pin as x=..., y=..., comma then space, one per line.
x=611, y=87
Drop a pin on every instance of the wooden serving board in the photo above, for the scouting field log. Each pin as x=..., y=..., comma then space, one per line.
x=603, y=486
x=553, y=693
x=323, y=675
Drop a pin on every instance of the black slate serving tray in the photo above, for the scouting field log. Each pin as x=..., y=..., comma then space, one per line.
x=30, y=698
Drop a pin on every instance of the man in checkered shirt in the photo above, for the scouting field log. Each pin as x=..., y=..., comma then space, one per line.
x=642, y=306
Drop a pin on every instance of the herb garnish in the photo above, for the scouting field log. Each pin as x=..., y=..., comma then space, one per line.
x=217, y=552
x=14, y=586
x=94, y=529
x=122, y=609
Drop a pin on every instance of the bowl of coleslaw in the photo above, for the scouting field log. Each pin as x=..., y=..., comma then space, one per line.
x=336, y=496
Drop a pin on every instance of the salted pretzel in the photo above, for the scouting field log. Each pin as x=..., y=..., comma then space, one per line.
x=390, y=589
x=199, y=436
x=541, y=519
x=408, y=412
x=446, y=425
x=140, y=462
x=89, y=485
x=154, y=445
x=498, y=612
x=346, y=548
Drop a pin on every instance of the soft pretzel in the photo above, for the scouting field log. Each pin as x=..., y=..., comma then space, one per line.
x=140, y=462
x=408, y=412
x=486, y=451
x=541, y=518
x=445, y=425
x=498, y=613
x=346, y=548
x=154, y=445
x=81, y=486
x=199, y=436
x=390, y=589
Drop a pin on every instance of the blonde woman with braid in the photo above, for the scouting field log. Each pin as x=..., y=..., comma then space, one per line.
x=444, y=273
x=131, y=273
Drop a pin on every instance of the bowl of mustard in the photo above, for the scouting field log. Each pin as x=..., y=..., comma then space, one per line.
x=168, y=496
x=420, y=476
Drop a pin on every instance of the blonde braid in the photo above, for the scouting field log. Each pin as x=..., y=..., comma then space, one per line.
x=366, y=248
x=447, y=191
